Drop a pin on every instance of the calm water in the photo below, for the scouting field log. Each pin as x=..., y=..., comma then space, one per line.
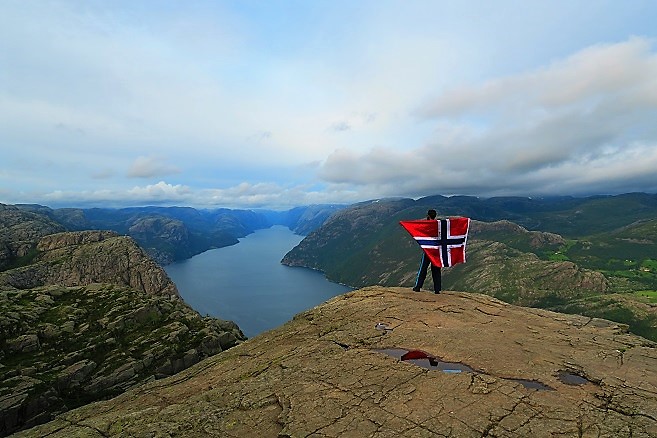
x=246, y=283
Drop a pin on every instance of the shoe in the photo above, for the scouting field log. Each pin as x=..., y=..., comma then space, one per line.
x=436, y=291
x=416, y=289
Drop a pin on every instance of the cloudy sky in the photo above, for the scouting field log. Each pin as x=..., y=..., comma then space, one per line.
x=246, y=104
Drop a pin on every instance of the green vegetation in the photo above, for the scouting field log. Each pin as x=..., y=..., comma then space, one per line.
x=561, y=254
x=96, y=341
x=651, y=295
x=620, y=308
x=21, y=261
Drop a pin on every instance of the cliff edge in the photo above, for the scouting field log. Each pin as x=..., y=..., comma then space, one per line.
x=88, y=257
x=482, y=368
x=87, y=316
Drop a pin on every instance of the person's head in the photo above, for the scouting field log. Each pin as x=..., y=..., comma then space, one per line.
x=431, y=214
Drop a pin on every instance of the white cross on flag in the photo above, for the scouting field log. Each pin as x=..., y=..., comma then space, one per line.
x=443, y=241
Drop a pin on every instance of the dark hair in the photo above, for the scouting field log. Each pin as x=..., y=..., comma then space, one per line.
x=431, y=214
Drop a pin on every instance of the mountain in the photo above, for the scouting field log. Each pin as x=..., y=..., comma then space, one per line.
x=168, y=234
x=485, y=368
x=87, y=316
x=364, y=245
x=19, y=230
x=303, y=220
x=172, y=234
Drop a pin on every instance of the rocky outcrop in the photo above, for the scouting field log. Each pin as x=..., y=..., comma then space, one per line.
x=90, y=317
x=506, y=229
x=161, y=237
x=86, y=257
x=61, y=347
x=19, y=233
x=482, y=368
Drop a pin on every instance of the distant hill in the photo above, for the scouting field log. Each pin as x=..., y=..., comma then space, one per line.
x=171, y=234
x=302, y=220
x=608, y=246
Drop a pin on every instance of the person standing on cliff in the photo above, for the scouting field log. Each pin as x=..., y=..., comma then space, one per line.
x=424, y=266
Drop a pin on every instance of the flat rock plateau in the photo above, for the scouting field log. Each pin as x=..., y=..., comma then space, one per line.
x=490, y=370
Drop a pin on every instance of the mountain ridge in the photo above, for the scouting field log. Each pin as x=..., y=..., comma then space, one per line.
x=364, y=245
x=172, y=234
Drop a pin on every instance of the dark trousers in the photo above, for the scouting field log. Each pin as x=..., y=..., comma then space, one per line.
x=422, y=274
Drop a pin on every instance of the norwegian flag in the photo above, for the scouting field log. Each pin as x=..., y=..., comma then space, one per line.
x=443, y=241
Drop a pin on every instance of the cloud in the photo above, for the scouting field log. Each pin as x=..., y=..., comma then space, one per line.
x=243, y=195
x=148, y=167
x=271, y=195
x=354, y=121
x=579, y=125
x=161, y=193
x=389, y=98
x=340, y=126
x=102, y=174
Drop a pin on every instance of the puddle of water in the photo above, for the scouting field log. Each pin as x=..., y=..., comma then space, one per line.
x=572, y=379
x=424, y=360
x=532, y=384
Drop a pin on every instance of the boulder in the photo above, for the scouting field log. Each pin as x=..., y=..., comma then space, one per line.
x=24, y=343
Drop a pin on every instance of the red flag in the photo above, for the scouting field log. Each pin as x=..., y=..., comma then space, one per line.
x=443, y=241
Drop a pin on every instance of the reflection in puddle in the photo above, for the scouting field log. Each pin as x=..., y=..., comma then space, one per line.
x=426, y=360
x=572, y=379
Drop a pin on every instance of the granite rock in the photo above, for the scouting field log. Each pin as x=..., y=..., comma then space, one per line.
x=332, y=372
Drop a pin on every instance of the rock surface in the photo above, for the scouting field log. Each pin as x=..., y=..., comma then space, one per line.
x=87, y=257
x=62, y=347
x=324, y=374
x=19, y=232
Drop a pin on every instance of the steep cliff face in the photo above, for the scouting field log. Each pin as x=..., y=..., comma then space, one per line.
x=163, y=238
x=86, y=257
x=474, y=367
x=91, y=316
